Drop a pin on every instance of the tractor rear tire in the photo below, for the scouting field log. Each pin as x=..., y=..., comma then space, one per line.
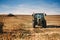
x=44, y=23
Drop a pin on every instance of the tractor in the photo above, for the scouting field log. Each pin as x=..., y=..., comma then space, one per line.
x=39, y=19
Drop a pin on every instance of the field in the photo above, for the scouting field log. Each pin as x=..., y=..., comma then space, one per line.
x=19, y=27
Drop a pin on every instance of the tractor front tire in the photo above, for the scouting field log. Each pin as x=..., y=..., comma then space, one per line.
x=34, y=23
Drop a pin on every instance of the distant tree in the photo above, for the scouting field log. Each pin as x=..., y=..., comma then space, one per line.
x=10, y=14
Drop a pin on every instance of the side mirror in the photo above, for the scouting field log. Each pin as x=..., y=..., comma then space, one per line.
x=32, y=14
x=45, y=14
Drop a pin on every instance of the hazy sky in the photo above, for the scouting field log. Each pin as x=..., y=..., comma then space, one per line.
x=30, y=6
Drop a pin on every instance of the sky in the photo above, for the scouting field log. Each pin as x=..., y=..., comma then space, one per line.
x=28, y=7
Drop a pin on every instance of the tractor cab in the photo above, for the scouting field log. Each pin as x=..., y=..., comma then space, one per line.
x=39, y=19
x=39, y=15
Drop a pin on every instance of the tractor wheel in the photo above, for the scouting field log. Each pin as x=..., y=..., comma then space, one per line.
x=44, y=23
x=34, y=24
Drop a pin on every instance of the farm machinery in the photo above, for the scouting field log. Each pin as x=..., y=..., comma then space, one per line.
x=39, y=19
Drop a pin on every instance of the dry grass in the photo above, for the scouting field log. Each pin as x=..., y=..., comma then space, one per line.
x=20, y=28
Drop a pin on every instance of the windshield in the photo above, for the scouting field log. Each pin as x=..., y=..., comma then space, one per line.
x=38, y=15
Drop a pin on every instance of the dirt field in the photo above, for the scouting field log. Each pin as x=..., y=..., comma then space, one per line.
x=19, y=27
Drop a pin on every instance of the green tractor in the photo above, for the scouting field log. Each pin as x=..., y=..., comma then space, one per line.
x=39, y=19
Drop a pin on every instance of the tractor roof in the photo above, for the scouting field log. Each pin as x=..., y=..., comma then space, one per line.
x=38, y=13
